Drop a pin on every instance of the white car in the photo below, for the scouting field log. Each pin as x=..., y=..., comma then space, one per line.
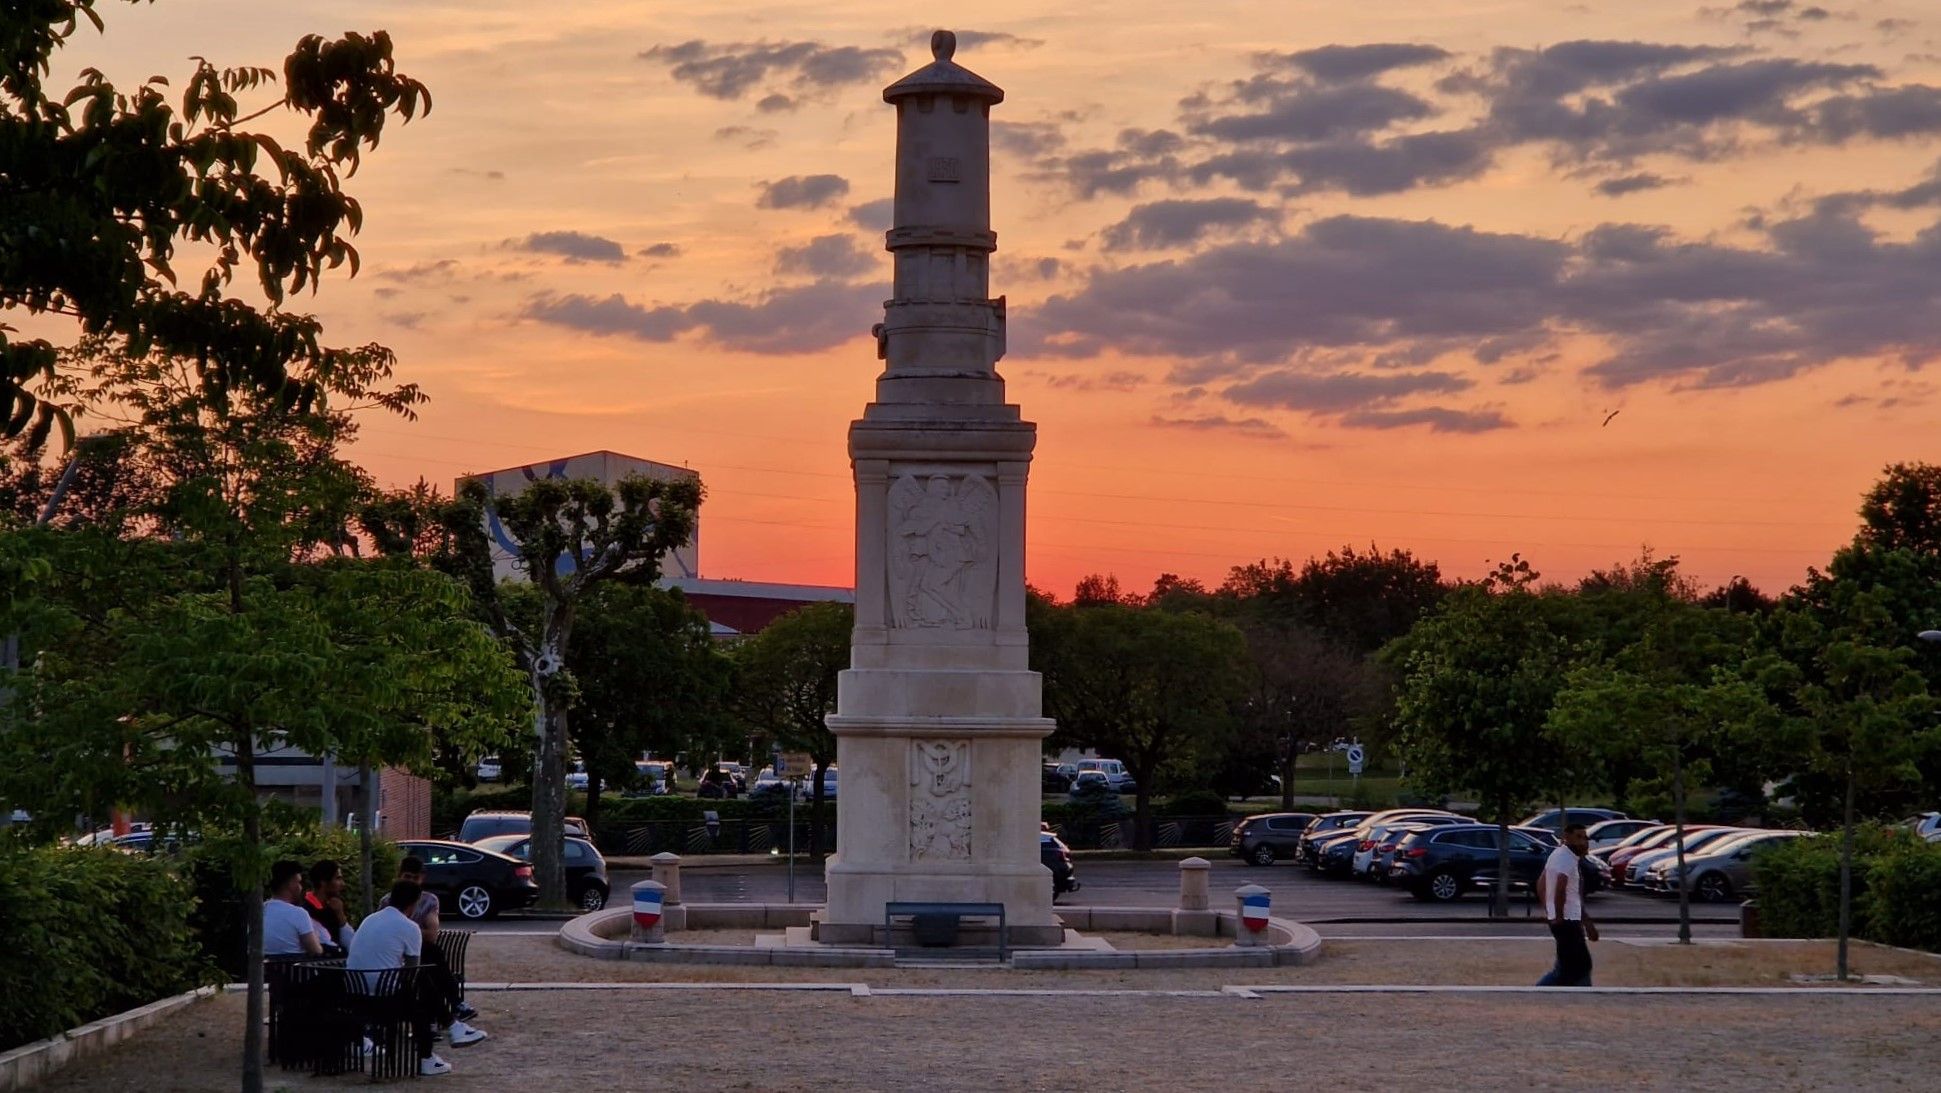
x=1927, y=825
x=1114, y=771
x=576, y=778
x=489, y=769
x=1708, y=840
x=1612, y=832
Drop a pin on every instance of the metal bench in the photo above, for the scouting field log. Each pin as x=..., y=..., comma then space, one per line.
x=938, y=923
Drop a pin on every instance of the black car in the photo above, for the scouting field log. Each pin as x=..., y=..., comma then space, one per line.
x=471, y=881
x=1055, y=779
x=1333, y=854
x=1441, y=863
x=485, y=823
x=1268, y=837
x=1057, y=858
x=1327, y=823
x=587, y=884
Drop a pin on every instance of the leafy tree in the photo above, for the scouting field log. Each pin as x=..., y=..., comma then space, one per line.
x=1096, y=588
x=100, y=185
x=650, y=679
x=1665, y=704
x=1302, y=687
x=1739, y=596
x=1478, y=678
x=229, y=654
x=1154, y=689
x=785, y=686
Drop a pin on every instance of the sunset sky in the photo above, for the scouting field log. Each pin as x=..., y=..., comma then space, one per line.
x=1283, y=275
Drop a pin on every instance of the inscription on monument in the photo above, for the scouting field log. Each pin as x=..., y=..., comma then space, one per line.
x=946, y=169
x=943, y=558
x=940, y=800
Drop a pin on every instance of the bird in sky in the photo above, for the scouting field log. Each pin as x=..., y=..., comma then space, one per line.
x=1609, y=416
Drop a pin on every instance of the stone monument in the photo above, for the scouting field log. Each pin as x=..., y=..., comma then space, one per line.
x=938, y=721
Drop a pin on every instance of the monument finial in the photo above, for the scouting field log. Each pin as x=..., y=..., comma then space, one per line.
x=943, y=45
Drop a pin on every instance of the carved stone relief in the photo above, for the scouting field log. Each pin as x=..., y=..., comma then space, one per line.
x=943, y=551
x=940, y=800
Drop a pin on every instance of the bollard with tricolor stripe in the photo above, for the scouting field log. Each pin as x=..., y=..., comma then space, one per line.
x=1250, y=922
x=649, y=895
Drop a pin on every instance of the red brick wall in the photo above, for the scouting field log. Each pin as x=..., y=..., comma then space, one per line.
x=405, y=800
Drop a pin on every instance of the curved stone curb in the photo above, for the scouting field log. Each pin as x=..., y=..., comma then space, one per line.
x=602, y=935
x=28, y=1064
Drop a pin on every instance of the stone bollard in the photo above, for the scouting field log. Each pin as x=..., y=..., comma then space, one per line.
x=667, y=870
x=1194, y=917
x=649, y=929
x=1253, y=904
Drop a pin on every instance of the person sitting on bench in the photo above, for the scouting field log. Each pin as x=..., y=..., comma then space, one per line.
x=438, y=967
x=388, y=939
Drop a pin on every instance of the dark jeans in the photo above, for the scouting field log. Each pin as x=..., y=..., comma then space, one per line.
x=1573, y=957
x=436, y=982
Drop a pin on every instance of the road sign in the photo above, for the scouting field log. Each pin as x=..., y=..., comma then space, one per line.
x=796, y=764
x=1356, y=756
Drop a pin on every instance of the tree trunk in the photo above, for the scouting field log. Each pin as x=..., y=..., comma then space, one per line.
x=252, y=892
x=1288, y=758
x=594, y=785
x=549, y=799
x=367, y=791
x=1678, y=819
x=1846, y=873
x=1142, y=817
x=1499, y=904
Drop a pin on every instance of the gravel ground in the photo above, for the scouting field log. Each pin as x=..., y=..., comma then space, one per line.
x=521, y=959
x=547, y=1040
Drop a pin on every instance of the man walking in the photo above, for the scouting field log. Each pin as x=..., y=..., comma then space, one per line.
x=1561, y=889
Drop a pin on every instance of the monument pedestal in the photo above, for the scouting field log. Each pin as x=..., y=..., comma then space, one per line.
x=938, y=723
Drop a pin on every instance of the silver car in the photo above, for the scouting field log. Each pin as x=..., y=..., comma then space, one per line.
x=1638, y=868
x=1722, y=871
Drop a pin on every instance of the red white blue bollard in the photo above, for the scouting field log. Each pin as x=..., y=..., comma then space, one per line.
x=648, y=898
x=1255, y=906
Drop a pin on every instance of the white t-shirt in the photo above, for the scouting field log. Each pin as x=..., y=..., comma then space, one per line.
x=284, y=927
x=1562, y=863
x=382, y=942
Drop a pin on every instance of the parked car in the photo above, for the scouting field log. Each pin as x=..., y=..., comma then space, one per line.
x=1643, y=843
x=1557, y=821
x=470, y=881
x=486, y=823
x=718, y=783
x=1636, y=869
x=1442, y=863
x=1613, y=832
x=1057, y=858
x=652, y=778
x=1114, y=771
x=1055, y=779
x=1324, y=824
x=587, y=884
x=1268, y=837
x=1382, y=838
x=577, y=777
x=1327, y=854
x=1089, y=782
x=489, y=769
x=1927, y=825
x=1720, y=871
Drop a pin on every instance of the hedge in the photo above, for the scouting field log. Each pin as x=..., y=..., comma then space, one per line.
x=217, y=921
x=1896, y=888
x=85, y=934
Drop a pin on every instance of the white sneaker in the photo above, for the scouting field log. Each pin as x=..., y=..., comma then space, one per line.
x=461, y=1034
x=431, y=1066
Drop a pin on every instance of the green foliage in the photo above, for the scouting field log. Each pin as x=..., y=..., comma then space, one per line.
x=1197, y=802
x=785, y=685
x=89, y=933
x=288, y=832
x=1156, y=690
x=104, y=183
x=1896, y=888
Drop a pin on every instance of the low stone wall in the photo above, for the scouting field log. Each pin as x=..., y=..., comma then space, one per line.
x=26, y=1065
x=604, y=935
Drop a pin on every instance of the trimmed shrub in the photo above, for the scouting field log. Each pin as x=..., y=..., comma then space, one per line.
x=1197, y=802
x=1904, y=890
x=1896, y=888
x=217, y=922
x=85, y=934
